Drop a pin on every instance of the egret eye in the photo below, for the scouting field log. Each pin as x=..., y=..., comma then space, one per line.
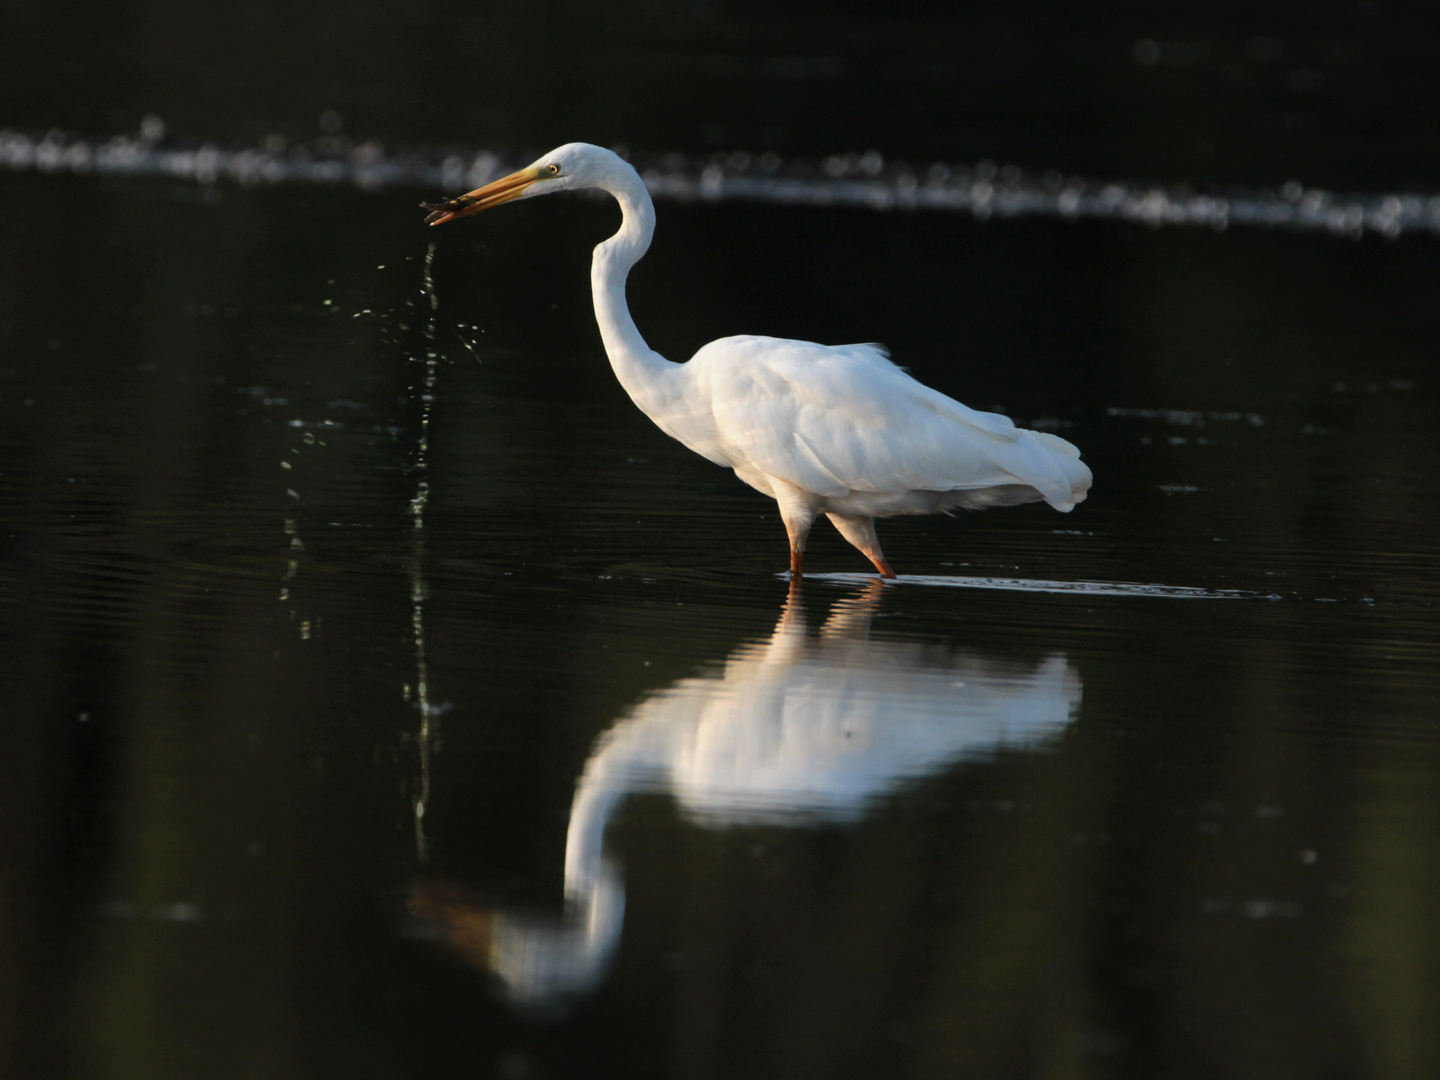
x=554, y=170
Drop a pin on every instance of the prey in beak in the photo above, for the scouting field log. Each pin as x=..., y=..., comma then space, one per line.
x=492, y=194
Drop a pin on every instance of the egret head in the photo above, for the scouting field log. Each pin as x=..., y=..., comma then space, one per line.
x=574, y=165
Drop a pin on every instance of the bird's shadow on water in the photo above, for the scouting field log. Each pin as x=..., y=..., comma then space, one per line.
x=796, y=729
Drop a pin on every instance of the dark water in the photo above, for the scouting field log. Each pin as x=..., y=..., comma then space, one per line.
x=354, y=619
x=927, y=830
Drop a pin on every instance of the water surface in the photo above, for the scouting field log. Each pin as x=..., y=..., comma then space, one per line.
x=265, y=602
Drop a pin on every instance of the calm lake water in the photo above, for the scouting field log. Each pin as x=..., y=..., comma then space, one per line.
x=933, y=829
x=383, y=695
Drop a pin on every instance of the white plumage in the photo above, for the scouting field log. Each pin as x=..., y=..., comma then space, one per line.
x=832, y=429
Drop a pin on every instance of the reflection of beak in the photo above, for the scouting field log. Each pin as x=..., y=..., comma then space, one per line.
x=459, y=921
x=492, y=194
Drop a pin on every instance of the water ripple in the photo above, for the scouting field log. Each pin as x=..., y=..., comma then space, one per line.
x=1086, y=588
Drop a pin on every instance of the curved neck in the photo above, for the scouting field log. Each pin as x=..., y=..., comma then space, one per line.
x=639, y=368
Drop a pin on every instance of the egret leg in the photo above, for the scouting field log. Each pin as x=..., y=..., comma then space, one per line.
x=860, y=531
x=798, y=535
x=797, y=511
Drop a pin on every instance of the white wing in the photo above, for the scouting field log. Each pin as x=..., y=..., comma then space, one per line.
x=833, y=420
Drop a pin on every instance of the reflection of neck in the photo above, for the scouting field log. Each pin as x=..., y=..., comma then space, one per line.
x=596, y=798
x=541, y=960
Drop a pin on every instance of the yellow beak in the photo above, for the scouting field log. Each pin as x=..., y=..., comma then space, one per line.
x=492, y=194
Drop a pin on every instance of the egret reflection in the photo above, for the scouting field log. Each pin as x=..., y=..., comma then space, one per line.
x=795, y=730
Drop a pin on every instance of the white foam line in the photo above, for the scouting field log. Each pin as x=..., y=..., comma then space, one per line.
x=1084, y=588
x=851, y=180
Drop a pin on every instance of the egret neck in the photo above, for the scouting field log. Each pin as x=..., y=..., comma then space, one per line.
x=641, y=370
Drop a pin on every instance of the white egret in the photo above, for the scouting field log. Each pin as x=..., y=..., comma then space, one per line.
x=832, y=429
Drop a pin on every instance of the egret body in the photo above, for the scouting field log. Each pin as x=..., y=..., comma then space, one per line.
x=822, y=429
